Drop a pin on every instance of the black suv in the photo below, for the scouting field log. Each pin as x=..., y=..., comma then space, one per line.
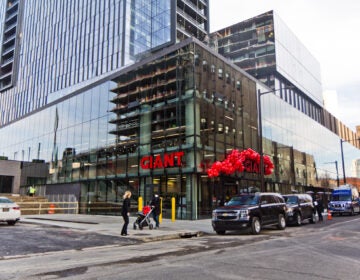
x=250, y=211
x=300, y=207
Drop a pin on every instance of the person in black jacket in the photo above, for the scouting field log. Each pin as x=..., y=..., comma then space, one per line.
x=125, y=212
x=319, y=205
x=155, y=202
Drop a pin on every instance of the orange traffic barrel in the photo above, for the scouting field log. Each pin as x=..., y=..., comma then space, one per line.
x=51, y=209
x=329, y=217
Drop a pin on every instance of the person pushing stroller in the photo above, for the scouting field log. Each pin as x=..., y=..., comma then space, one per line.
x=155, y=203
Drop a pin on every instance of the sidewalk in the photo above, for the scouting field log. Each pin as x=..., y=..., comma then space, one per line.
x=111, y=225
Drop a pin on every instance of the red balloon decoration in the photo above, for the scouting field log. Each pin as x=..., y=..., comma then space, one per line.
x=246, y=160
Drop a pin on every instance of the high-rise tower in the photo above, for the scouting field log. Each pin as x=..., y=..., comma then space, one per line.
x=268, y=50
x=50, y=49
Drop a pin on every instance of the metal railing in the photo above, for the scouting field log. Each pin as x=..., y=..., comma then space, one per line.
x=49, y=207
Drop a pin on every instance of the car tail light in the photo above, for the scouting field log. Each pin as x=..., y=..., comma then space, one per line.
x=16, y=208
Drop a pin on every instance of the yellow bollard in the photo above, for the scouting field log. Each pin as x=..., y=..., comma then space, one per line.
x=140, y=204
x=173, y=209
x=160, y=216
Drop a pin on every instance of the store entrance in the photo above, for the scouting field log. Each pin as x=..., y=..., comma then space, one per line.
x=167, y=187
x=225, y=188
x=228, y=189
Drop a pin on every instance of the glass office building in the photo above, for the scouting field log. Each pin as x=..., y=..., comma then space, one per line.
x=268, y=50
x=157, y=125
x=153, y=123
x=52, y=48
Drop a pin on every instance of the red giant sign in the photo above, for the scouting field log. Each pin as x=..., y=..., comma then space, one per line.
x=158, y=161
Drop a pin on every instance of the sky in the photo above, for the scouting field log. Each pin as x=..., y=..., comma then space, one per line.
x=329, y=29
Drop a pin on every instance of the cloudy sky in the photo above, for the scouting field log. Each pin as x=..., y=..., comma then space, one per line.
x=329, y=30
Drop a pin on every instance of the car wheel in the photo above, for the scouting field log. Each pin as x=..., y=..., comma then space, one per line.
x=11, y=223
x=220, y=232
x=298, y=219
x=281, y=222
x=255, y=225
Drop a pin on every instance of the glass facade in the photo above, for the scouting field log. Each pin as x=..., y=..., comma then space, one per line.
x=266, y=48
x=158, y=125
x=96, y=110
x=292, y=139
x=79, y=42
x=151, y=25
x=68, y=50
x=10, y=39
x=296, y=63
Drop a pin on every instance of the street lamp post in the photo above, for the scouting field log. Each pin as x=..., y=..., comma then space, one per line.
x=262, y=178
x=342, y=155
x=337, y=173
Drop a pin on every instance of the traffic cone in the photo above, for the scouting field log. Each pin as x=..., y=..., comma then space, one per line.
x=51, y=209
x=329, y=217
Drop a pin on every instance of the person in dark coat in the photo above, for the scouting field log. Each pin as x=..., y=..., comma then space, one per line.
x=125, y=212
x=319, y=205
x=155, y=202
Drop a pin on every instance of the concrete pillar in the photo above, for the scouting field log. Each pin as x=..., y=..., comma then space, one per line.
x=144, y=141
x=191, y=197
x=192, y=127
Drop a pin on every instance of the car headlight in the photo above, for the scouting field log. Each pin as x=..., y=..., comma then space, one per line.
x=243, y=213
x=289, y=211
x=214, y=215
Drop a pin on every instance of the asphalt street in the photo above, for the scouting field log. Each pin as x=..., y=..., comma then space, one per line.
x=49, y=233
x=326, y=250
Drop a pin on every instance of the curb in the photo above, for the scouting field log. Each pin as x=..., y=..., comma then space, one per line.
x=142, y=236
x=171, y=236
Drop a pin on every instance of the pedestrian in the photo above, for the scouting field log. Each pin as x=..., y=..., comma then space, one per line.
x=319, y=207
x=125, y=212
x=155, y=203
x=32, y=191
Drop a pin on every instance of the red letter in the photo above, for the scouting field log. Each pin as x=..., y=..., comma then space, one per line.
x=169, y=160
x=178, y=155
x=158, y=162
x=145, y=162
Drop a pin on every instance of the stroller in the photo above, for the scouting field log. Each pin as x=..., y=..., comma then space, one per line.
x=143, y=218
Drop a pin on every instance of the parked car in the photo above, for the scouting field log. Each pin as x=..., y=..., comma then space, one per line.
x=9, y=211
x=250, y=211
x=300, y=208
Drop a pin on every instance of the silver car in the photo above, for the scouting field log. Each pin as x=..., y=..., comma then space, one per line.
x=9, y=211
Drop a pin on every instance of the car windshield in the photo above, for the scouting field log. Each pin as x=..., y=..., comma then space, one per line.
x=340, y=197
x=291, y=199
x=243, y=200
x=5, y=200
